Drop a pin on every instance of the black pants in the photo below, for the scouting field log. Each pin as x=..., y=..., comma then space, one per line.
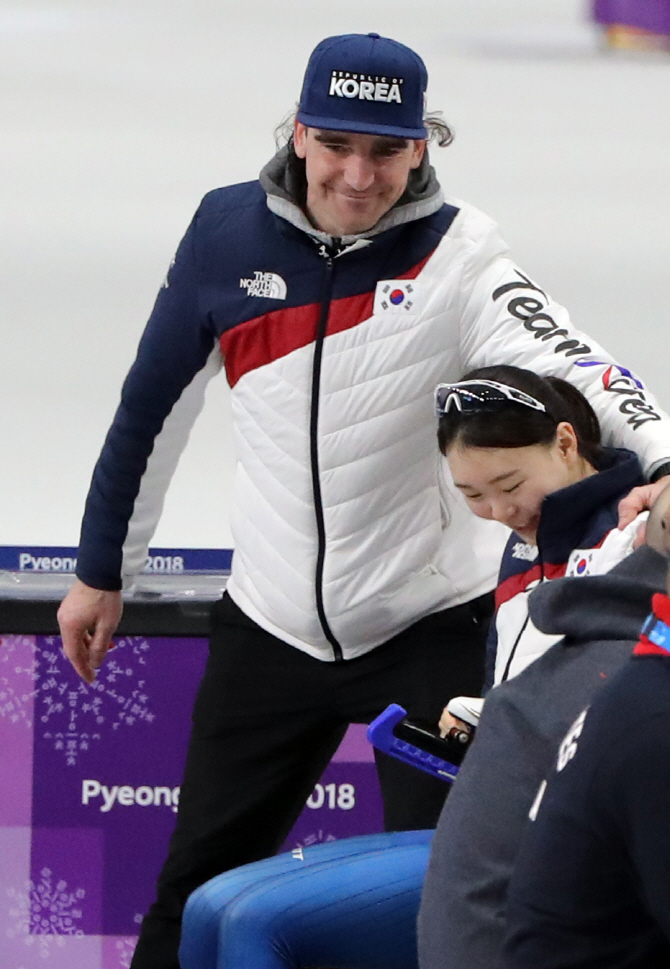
x=267, y=720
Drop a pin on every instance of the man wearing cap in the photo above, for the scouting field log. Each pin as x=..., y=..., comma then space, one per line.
x=336, y=291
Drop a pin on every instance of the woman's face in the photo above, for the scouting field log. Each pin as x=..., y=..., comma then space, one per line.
x=508, y=485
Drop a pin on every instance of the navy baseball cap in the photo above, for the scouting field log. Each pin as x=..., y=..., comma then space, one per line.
x=364, y=83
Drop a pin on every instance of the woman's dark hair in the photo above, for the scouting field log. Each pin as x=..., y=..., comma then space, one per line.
x=513, y=424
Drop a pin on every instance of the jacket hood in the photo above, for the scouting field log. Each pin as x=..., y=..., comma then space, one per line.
x=611, y=606
x=285, y=190
x=567, y=515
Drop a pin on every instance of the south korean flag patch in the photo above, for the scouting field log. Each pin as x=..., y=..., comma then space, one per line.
x=396, y=296
x=583, y=561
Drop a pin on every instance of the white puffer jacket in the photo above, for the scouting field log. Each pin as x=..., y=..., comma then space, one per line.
x=347, y=528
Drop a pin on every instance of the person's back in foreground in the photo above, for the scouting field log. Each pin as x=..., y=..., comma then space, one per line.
x=590, y=887
x=336, y=291
x=463, y=915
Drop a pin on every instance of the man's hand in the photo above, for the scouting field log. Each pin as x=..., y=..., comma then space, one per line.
x=640, y=499
x=87, y=618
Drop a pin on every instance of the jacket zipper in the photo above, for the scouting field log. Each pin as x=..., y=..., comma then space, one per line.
x=314, y=452
x=510, y=658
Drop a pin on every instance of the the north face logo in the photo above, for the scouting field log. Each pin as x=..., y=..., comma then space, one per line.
x=270, y=285
x=365, y=87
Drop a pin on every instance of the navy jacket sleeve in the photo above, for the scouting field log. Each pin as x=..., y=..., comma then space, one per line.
x=161, y=397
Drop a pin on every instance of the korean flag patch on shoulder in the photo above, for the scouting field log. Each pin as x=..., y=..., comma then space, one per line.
x=583, y=561
x=397, y=296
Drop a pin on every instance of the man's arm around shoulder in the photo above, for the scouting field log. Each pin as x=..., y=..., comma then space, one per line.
x=639, y=499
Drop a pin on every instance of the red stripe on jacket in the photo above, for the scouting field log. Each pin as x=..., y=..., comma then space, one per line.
x=515, y=584
x=266, y=338
x=519, y=583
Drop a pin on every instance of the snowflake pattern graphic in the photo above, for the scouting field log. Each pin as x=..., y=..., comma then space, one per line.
x=317, y=837
x=125, y=948
x=17, y=679
x=72, y=715
x=44, y=914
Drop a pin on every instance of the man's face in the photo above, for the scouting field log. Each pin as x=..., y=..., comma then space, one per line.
x=353, y=179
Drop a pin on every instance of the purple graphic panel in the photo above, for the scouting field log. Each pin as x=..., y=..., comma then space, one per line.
x=345, y=802
x=17, y=691
x=90, y=791
x=67, y=866
x=62, y=946
x=355, y=748
x=109, y=757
